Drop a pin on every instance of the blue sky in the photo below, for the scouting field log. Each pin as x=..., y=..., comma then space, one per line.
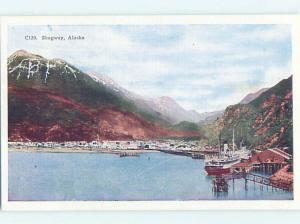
x=202, y=67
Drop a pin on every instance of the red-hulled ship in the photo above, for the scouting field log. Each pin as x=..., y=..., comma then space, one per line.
x=221, y=166
x=223, y=163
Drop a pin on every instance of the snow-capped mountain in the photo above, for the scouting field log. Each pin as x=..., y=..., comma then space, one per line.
x=52, y=100
x=164, y=107
x=24, y=65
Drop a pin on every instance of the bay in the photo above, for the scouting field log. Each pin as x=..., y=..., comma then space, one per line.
x=106, y=177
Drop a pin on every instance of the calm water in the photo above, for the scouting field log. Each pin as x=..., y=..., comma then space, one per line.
x=152, y=176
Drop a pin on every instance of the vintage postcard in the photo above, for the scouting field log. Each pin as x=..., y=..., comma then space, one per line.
x=150, y=112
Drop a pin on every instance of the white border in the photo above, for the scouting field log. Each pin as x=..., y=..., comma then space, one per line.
x=294, y=20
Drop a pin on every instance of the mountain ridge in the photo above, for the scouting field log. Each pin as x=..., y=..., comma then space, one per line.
x=265, y=122
x=164, y=106
x=54, y=97
x=252, y=96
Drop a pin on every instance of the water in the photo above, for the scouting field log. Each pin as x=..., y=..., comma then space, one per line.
x=97, y=176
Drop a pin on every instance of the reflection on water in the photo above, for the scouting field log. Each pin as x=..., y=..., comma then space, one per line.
x=96, y=176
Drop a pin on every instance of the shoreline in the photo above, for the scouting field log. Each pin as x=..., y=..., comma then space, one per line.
x=122, y=152
x=79, y=150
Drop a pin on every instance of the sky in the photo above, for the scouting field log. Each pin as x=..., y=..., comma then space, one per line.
x=202, y=67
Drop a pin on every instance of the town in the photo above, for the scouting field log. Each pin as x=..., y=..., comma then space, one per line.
x=99, y=146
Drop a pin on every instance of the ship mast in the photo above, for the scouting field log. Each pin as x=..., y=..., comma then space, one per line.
x=233, y=140
x=219, y=141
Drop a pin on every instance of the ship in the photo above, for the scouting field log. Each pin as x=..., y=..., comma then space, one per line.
x=221, y=165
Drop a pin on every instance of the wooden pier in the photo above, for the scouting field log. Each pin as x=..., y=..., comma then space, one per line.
x=270, y=160
x=268, y=167
x=126, y=154
x=176, y=152
x=268, y=182
x=220, y=183
x=197, y=155
x=189, y=153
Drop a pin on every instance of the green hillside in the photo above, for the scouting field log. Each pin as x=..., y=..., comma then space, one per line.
x=27, y=70
x=186, y=126
x=265, y=122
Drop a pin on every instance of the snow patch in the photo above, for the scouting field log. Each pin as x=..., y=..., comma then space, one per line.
x=47, y=71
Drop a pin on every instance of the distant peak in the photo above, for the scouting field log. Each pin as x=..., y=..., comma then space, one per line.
x=252, y=96
x=166, y=98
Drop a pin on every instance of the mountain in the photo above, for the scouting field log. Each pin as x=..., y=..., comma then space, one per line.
x=186, y=126
x=163, y=107
x=52, y=100
x=265, y=122
x=252, y=96
x=171, y=111
x=113, y=85
x=209, y=117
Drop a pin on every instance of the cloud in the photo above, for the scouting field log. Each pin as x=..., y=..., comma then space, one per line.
x=275, y=33
x=203, y=67
x=275, y=74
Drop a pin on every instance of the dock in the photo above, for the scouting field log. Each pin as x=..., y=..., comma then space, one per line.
x=197, y=155
x=268, y=161
x=220, y=183
x=126, y=154
x=189, y=153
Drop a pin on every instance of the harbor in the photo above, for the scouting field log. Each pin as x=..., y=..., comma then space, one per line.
x=153, y=175
x=224, y=164
x=159, y=111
